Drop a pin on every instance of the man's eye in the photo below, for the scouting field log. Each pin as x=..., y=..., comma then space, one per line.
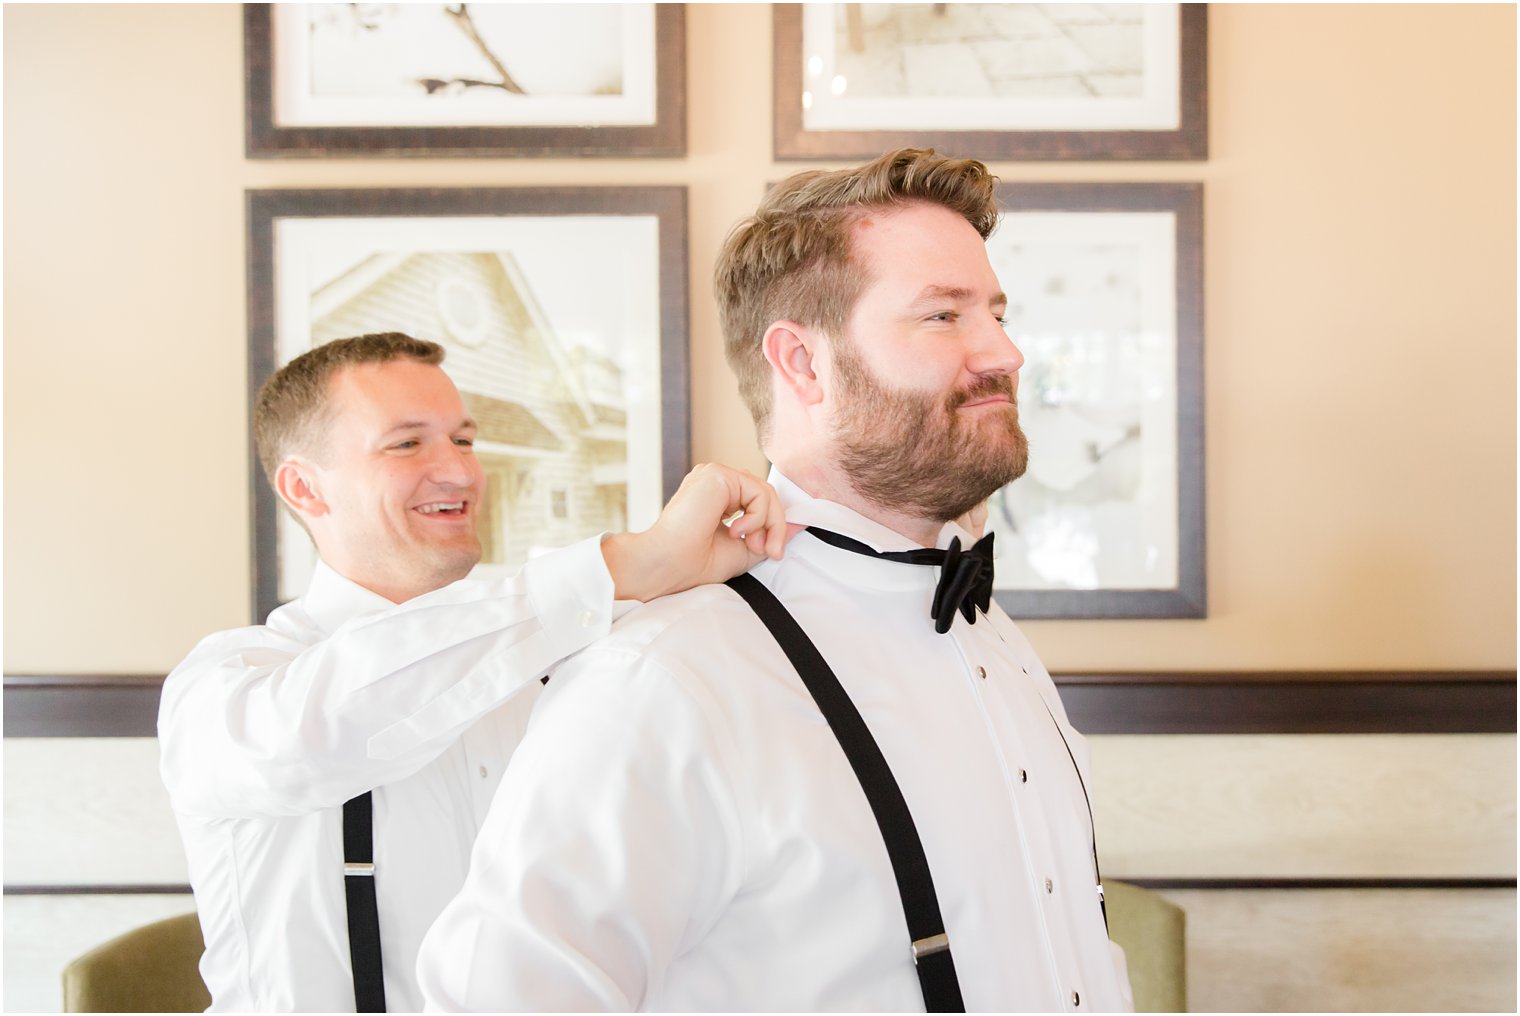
x=944, y=315
x=402, y=445
x=465, y=442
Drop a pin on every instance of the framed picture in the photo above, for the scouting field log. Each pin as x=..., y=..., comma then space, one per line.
x=564, y=316
x=992, y=81
x=465, y=79
x=1105, y=300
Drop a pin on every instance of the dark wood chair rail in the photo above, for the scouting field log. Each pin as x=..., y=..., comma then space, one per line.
x=1188, y=702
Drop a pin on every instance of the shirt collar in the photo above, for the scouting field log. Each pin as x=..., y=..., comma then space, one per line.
x=804, y=509
x=332, y=600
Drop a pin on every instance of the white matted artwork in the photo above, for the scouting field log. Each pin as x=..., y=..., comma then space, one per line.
x=464, y=64
x=991, y=81
x=464, y=80
x=990, y=66
x=1092, y=308
x=564, y=331
x=1110, y=509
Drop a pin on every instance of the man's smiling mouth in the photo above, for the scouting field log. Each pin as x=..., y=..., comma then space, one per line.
x=442, y=508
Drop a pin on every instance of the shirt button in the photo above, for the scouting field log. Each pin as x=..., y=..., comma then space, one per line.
x=1023, y=776
x=1076, y=999
x=482, y=772
x=1050, y=886
x=588, y=618
x=981, y=672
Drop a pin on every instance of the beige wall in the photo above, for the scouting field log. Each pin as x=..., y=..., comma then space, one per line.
x=1360, y=257
x=1360, y=212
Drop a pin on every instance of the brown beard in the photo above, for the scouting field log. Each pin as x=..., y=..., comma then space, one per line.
x=908, y=452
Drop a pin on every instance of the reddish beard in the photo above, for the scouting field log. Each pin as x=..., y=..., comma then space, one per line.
x=913, y=453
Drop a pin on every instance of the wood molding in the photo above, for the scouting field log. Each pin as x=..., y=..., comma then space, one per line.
x=1197, y=702
x=98, y=890
x=82, y=705
x=1292, y=702
x=1312, y=882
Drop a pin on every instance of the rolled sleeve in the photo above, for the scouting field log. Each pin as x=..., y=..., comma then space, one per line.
x=569, y=592
x=311, y=709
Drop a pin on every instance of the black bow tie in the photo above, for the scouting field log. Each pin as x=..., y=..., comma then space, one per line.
x=965, y=578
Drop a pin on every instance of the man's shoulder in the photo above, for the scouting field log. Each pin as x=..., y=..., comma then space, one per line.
x=703, y=638
x=671, y=624
x=288, y=630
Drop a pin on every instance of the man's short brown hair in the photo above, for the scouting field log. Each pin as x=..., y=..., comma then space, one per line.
x=791, y=260
x=292, y=405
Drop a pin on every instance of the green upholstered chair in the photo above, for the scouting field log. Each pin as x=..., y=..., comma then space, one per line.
x=1150, y=930
x=149, y=969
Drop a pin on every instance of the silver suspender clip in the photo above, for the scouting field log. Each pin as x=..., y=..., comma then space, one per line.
x=929, y=946
x=358, y=868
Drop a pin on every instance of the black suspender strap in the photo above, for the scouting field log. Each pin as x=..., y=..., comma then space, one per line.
x=363, y=913
x=915, y=884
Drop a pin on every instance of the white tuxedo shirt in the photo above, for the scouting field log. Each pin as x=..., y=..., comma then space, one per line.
x=680, y=830
x=265, y=731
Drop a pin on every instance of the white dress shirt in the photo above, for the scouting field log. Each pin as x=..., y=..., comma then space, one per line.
x=266, y=731
x=680, y=830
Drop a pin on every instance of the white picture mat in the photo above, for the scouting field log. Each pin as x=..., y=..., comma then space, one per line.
x=1157, y=107
x=1098, y=398
x=596, y=278
x=396, y=104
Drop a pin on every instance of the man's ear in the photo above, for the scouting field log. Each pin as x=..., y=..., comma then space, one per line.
x=790, y=348
x=295, y=481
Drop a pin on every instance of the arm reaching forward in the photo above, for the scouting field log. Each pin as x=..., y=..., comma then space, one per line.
x=298, y=715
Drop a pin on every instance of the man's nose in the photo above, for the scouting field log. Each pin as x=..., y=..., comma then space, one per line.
x=993, y=351
x=451, y=465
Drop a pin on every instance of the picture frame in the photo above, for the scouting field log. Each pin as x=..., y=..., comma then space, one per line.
x=583, y=404
x=1105, y=288
x=991, y=81
x=433, y=80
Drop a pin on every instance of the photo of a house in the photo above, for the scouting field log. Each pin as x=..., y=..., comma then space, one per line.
x=552, y=330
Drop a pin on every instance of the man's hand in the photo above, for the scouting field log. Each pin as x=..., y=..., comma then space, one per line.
x=691, y=544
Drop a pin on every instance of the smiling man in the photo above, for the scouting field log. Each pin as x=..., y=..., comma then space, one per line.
x=847, y=782
x=376, y=714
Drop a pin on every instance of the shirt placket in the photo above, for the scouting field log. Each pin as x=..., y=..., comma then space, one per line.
x=484, y=762
x=1024, y=778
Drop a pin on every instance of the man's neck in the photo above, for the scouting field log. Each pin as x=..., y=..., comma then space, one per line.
x=829, y=484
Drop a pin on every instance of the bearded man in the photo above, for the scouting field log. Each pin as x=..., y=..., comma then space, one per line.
x=847, y=782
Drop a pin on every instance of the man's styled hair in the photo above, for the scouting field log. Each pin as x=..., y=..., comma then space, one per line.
x=292, y=406
x=791, y=260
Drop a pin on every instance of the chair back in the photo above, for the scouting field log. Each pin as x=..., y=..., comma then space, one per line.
x=155, y=968
x=1151, y=931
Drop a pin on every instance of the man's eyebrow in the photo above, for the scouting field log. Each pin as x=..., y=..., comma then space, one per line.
x=468, y=423
x=955, y=294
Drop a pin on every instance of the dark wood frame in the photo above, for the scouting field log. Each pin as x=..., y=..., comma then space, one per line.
x=1189, y=141
x=1216, y=702
x=665, y=137
x=1189, y=598
x=667, y=204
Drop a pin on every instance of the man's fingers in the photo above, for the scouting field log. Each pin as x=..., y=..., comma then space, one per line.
x=716, y=505
x=753, y=509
